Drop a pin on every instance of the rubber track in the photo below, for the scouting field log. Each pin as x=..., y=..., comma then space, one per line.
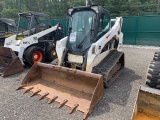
x=107, y=65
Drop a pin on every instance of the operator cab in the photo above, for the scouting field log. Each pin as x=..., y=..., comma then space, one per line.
x=7, y=29
x=31, y=23
x=7, y=25
x=86, y=25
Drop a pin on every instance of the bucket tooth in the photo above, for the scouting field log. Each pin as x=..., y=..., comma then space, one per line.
x=34, y=93
x=61, y=104
x=52, y=99
x=20, y=87
x=43, y=96
x=85, y=116
x=73, y=108
x=27, y=90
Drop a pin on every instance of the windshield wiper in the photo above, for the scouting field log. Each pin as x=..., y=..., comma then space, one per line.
x=84, y=40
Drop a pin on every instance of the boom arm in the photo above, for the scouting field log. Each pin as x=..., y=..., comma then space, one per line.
x=114, y=32
x=96, y=48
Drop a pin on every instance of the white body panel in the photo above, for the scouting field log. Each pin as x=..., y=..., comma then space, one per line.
x=96, y=57
x=93, y=59
x=20, y=45
x=60, y=46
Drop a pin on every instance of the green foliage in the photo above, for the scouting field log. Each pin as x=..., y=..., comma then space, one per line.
x=9, y=13
x=58, y=8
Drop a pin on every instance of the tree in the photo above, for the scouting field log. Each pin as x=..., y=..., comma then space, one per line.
x=58, y=8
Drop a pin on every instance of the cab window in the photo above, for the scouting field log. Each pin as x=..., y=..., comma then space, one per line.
x=104, y=25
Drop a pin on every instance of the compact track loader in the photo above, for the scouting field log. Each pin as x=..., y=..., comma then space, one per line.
x=7, y=29
x=147, y=106
x=34, y=41
x=88, y=60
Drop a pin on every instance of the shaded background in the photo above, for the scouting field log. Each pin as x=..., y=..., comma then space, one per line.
x=141, y=18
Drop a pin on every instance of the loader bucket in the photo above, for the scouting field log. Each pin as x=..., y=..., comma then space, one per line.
x=9, y=62
x=147, y=106
x=74, y=88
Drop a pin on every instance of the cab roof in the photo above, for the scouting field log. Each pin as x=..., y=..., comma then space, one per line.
x=97, y=9
x=33, y=13
x=8, y=22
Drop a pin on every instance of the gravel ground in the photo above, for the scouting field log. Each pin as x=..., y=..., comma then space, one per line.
x=117, y=104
